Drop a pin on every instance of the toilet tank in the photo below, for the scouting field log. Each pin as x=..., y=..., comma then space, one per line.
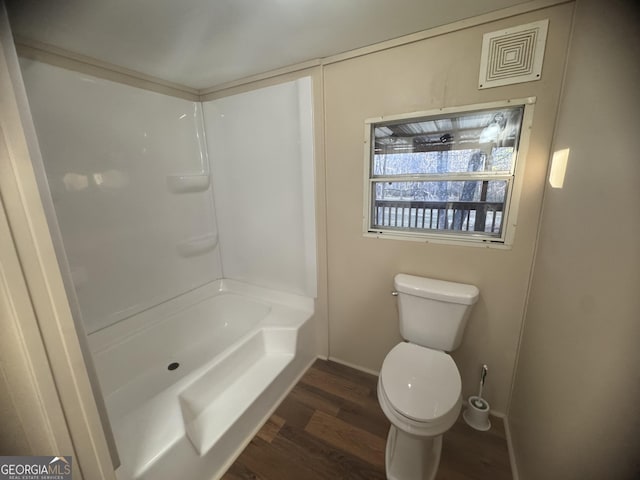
x=433, y=313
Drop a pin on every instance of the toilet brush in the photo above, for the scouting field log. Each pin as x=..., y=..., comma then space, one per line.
x=483, y=376
x=477, y=414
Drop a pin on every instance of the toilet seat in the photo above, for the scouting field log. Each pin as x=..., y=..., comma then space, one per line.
x=420, y=384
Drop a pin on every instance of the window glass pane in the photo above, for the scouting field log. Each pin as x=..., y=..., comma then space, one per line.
x=463, y=142
x=454, y=161
x=460, y=206
x=446, y=174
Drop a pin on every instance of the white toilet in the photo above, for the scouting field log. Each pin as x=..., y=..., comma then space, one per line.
x=419, y=388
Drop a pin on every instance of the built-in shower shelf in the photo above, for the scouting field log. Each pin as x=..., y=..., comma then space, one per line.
x=198, y=245
x=217, y=400
x=188, y=183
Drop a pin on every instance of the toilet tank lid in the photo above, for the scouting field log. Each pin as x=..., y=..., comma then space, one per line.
x=436, y=289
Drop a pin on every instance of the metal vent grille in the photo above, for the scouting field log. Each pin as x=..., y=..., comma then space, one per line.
x=514, y=55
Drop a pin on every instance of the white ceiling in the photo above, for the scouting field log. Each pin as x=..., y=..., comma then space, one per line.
x=204, y=43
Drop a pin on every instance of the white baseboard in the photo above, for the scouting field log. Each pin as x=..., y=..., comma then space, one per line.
x=493, y=413
x=356, y=367
x=512, y=457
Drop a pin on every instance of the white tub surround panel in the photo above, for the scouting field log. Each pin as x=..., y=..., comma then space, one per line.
x=130, y=181
x=261, y=149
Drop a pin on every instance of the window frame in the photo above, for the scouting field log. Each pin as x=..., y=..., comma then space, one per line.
x=514, y=180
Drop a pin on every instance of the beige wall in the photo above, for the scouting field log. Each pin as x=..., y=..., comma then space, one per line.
x=574, y=412
x=437, y=72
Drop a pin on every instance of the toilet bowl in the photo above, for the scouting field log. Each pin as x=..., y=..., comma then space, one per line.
x=419, y=388
x=419, y=391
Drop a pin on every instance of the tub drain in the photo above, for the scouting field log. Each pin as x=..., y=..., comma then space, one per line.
x=173, y=366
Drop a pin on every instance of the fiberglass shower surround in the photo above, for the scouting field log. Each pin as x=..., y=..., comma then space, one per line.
x=189, y=233
x=134, y=176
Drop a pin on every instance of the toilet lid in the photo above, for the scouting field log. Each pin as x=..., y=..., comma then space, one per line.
x=421, y=384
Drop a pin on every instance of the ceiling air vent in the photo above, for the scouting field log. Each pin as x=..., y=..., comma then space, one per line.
x=513, y=55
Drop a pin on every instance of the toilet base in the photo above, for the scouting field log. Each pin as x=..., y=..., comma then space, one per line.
x=408, y=457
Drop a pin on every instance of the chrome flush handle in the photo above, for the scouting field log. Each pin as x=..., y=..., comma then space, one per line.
x=394, y=293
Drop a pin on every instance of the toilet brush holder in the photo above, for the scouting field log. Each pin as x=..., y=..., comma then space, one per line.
x=477, y=413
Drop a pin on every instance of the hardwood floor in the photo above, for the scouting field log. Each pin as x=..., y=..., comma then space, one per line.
x=331, y=427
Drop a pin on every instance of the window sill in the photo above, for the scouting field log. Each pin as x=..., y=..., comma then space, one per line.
x=441, y=240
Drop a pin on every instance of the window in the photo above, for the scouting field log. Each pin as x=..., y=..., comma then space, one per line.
x=450, y=175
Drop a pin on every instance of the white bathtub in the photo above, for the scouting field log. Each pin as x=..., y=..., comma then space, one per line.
x=239, y=350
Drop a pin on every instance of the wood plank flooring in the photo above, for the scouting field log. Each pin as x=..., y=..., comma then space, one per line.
x=330, y=426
